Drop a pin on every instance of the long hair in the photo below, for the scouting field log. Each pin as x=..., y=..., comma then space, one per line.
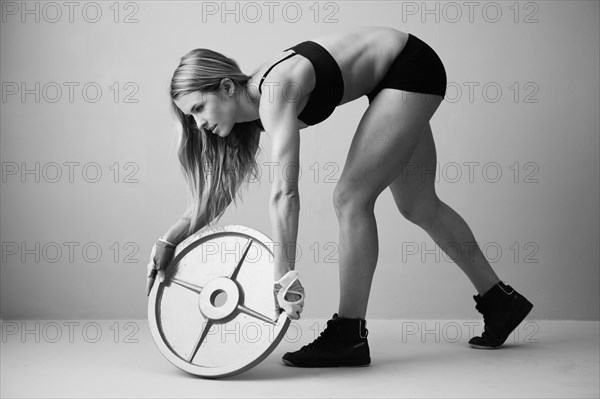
x=214, y=167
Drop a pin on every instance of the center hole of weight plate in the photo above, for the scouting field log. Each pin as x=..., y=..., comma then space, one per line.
x=218, y=298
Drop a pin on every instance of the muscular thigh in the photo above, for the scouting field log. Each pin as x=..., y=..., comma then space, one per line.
x=414, y=187
x=386, y=138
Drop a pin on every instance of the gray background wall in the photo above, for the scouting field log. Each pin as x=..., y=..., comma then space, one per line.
x=532, y=117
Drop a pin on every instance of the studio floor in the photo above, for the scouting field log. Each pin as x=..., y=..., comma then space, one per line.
x=416, y=358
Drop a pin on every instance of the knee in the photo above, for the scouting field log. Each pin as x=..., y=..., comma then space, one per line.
x=349, y=199
x=421, y=213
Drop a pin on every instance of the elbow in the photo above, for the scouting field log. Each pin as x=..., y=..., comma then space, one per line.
x=289, y=197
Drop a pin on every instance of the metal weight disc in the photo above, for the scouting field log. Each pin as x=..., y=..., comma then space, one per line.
x=215, y=313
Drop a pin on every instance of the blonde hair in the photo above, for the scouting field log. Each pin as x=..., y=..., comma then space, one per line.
x=214, y=167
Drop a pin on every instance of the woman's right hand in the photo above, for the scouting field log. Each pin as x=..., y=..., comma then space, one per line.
x=289, y=295
x=160, y=257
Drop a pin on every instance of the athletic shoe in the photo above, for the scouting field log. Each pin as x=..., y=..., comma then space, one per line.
x=503, y=309
x=342, y=343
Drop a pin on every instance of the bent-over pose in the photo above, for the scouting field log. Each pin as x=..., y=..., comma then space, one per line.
x=222, y=112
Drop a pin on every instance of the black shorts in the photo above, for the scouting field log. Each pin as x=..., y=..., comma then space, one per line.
x=417, y=69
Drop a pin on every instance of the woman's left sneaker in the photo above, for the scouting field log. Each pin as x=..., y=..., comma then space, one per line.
x=503, y=309
x=342, y=343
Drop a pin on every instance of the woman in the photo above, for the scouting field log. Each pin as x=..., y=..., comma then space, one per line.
x=222, y=112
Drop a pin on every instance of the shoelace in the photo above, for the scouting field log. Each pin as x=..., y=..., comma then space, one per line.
x=323, y=338
x=484, y=310
x=481, y=306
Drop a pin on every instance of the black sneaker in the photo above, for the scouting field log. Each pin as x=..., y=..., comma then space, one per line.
x=503, y=309
x=342, y=343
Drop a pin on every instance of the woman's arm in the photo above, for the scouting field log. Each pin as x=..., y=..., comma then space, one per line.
x=179, y=231
x=284, y=204
x=280, y=120
x=284, y=210
x=162, y=253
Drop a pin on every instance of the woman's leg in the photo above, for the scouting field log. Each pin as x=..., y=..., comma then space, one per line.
x=415, y=196
x=502, y=307
x=385, y=140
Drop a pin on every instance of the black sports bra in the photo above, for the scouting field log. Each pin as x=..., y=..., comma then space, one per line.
x=329, y=86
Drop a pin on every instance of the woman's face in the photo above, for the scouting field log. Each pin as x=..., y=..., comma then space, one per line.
x=214, y=113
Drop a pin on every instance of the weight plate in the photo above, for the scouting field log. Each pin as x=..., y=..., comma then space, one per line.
x=215, y=313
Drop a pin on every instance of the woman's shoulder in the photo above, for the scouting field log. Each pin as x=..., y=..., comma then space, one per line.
x=283, y=71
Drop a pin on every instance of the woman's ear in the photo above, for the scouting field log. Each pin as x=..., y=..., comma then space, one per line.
x=228, y=86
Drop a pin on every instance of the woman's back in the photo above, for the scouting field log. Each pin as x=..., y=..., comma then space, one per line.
x=363, y=55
